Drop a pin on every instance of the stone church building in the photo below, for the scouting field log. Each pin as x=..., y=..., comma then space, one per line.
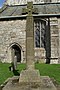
x=46, y=31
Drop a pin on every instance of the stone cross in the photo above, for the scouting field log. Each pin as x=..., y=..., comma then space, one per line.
x=30, y=34
x=30, y=10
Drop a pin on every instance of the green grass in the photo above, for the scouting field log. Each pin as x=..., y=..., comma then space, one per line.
x=52, y=71
x=5, y=73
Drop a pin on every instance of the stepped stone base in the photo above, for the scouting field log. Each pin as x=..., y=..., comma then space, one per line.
x=30, y=80
x=29, y=77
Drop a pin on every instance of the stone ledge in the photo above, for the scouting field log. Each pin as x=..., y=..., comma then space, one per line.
x=29, y=76
x=46, y=84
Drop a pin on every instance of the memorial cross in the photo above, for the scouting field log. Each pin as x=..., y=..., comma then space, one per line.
x=30, y=34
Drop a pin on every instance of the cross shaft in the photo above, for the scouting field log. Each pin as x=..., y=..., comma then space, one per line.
x=30, y=34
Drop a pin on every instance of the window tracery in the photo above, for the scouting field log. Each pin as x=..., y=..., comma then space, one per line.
x=40, y=28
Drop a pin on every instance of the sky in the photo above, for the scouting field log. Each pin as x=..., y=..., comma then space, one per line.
x=1, y=2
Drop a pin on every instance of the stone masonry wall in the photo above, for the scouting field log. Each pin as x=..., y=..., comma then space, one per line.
x=11, y=32
x=59, y=39
x=54, y=40
x=20, y=2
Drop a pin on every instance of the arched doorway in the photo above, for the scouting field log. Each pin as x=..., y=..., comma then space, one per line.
x=17, y=52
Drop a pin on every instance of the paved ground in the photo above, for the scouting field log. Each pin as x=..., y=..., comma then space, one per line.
x=56, y=84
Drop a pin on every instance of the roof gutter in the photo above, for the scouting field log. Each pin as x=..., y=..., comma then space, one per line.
x=24, y=16
x=47, y=15
x=12, y=17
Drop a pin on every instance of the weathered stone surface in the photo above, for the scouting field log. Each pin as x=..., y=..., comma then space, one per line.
x=7, y=38
x=45, y=84
x=11, y=32
x=54, y=40
x=40, y=55
x=19, y=2
x=59, y=40
x=29, y=34
x=29, y=76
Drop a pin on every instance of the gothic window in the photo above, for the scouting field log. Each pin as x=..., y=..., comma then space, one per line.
x=40, y=28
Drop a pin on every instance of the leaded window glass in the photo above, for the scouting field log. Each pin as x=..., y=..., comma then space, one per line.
x=40, y=28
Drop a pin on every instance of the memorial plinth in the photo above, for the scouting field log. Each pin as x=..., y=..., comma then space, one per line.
x=30, y=75
x=30, y=78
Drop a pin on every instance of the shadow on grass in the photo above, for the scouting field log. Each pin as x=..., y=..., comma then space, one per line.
x=16, y=73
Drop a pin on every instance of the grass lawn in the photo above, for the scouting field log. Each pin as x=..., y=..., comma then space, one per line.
x=6, y=73
x=45, y=70
x=51, y=70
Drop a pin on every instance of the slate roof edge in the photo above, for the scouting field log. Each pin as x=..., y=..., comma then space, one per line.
x=12, y=17
x=47, y=3
x=3, y=8
x=24, y=16
x=47, y=15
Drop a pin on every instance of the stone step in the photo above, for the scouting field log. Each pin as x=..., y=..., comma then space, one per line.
x=46, y=84
x=30, y=80
x=29, y=77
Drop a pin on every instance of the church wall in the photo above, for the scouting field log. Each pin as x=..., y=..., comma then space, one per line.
x=59, y=39
x=14, y=32
x=54, y=40
x=21, y=2
x=11, y=32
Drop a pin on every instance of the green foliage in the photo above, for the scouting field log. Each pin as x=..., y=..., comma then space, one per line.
x=51, y=70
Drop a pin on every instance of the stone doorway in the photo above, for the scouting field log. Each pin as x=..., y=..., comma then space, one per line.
x=17, y=52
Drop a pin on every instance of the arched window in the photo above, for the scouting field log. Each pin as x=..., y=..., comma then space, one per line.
x=40, y=27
